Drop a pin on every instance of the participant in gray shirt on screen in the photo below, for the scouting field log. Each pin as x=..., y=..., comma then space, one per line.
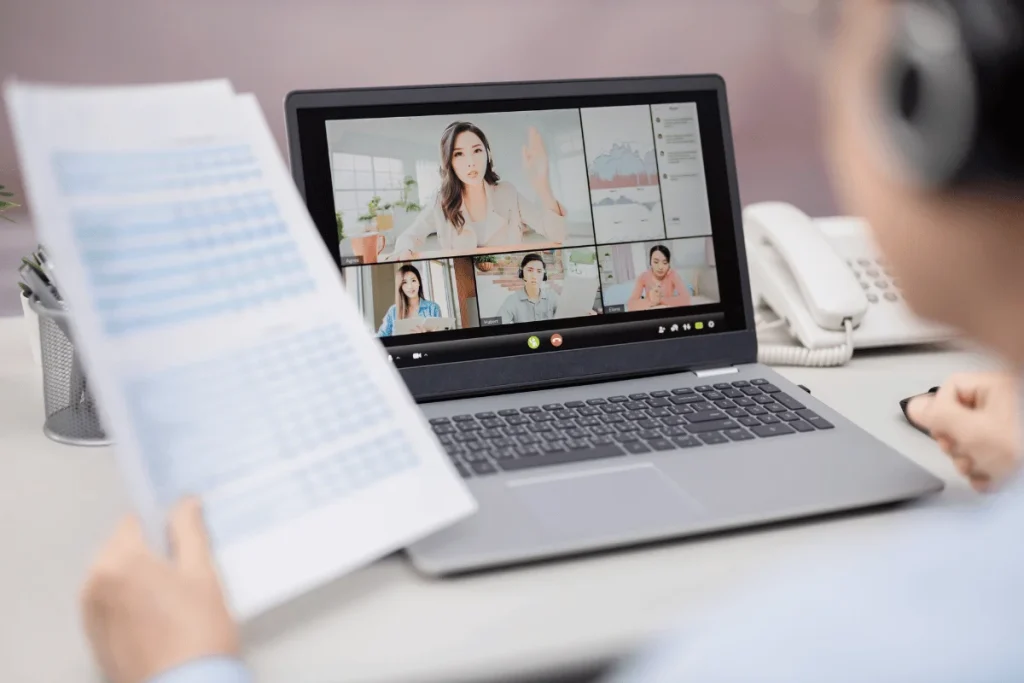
x=533, y=302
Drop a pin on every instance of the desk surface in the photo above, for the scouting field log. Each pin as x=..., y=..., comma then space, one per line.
x=387, y=624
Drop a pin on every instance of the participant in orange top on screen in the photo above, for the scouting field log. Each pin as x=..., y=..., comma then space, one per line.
x=409, y=302
x=474, y=207
x=660, y=285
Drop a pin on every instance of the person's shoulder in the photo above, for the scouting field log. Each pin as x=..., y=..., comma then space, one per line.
x=434, y=307
x=917, y=588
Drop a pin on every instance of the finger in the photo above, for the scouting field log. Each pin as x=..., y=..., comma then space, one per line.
x=917, y=408
x=128, y=539
x=963, y=465
x=111, y=564
x=982, y=483
x=190, y=544
x=969, y=386
x=945, y=415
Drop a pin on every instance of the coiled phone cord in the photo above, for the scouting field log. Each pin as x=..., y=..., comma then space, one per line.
x=769, y=354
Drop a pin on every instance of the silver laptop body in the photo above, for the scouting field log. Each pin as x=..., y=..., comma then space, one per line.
x=634, y=427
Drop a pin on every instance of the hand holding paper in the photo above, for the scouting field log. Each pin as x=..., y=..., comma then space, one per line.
x=225, y=357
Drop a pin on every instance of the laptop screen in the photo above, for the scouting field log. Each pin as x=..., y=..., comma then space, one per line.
x=527, y=227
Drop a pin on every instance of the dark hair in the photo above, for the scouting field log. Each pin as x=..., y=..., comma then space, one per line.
x=664, y=251
x=450, y=196
x=401, y=300
x=530, y=258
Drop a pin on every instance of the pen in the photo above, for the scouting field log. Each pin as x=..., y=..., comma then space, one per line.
x=48, y=299
x=47, y=267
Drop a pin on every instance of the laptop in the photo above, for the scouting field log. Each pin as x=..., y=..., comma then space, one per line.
x=651, y=420
x=407, y=325
x=577, y=297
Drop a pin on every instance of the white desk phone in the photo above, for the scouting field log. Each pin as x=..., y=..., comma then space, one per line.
x=825, y=282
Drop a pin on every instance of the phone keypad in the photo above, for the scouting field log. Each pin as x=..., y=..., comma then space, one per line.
x=875, y=280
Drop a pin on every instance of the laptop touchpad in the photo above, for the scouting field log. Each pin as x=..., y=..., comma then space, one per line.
x=607, y=502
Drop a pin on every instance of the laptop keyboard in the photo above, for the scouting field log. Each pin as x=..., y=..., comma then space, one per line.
x=559, y=433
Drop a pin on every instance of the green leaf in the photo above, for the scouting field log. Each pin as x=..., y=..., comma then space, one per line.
x=36, y=267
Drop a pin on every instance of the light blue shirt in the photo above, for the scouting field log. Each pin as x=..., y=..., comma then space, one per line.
x=940, y=601
x=427, y=309
x=208, y=670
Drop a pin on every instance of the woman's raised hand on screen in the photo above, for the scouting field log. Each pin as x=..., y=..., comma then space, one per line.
x=535, y=161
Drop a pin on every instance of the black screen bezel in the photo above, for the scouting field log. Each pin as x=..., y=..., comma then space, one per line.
x=307, y=111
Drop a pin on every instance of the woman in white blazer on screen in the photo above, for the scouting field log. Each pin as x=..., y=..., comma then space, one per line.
x=475, y=208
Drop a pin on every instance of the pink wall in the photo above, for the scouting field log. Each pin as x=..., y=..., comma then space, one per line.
x=272, y=46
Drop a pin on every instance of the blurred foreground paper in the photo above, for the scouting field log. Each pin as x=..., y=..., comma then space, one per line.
x=225, y=357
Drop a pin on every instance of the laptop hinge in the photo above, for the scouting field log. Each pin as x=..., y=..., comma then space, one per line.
x=714, y=372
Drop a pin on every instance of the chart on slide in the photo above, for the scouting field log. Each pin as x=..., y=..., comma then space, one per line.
x=627, y=214
x=622, y=168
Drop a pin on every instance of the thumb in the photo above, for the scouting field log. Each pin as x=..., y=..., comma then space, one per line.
x=946, y=417
x=190, y=544
x=919, y=409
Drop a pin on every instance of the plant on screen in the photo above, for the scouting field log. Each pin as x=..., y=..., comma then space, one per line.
x=374, y=208
x=405, y=202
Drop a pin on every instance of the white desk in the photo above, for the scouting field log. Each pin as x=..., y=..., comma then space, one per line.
x=386, y=624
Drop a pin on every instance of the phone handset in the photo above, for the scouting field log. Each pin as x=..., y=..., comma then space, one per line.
x=799, y=275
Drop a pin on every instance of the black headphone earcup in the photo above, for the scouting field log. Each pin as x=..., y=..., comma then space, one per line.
x=929, y=93
x=521, y=274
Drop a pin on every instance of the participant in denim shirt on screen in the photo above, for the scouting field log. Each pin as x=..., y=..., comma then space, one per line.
x=409, y=302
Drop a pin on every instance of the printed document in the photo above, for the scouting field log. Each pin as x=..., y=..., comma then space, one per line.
x=222, y=352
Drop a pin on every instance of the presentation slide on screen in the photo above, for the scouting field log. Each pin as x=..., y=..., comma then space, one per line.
x=681, y=168
x=537, y=286
x=622, y=169
x=658, y=274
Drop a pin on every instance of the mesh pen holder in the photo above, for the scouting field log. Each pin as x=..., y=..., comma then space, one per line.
x=71, y=415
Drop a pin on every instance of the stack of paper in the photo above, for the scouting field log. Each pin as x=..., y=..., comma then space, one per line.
x=226, y=360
